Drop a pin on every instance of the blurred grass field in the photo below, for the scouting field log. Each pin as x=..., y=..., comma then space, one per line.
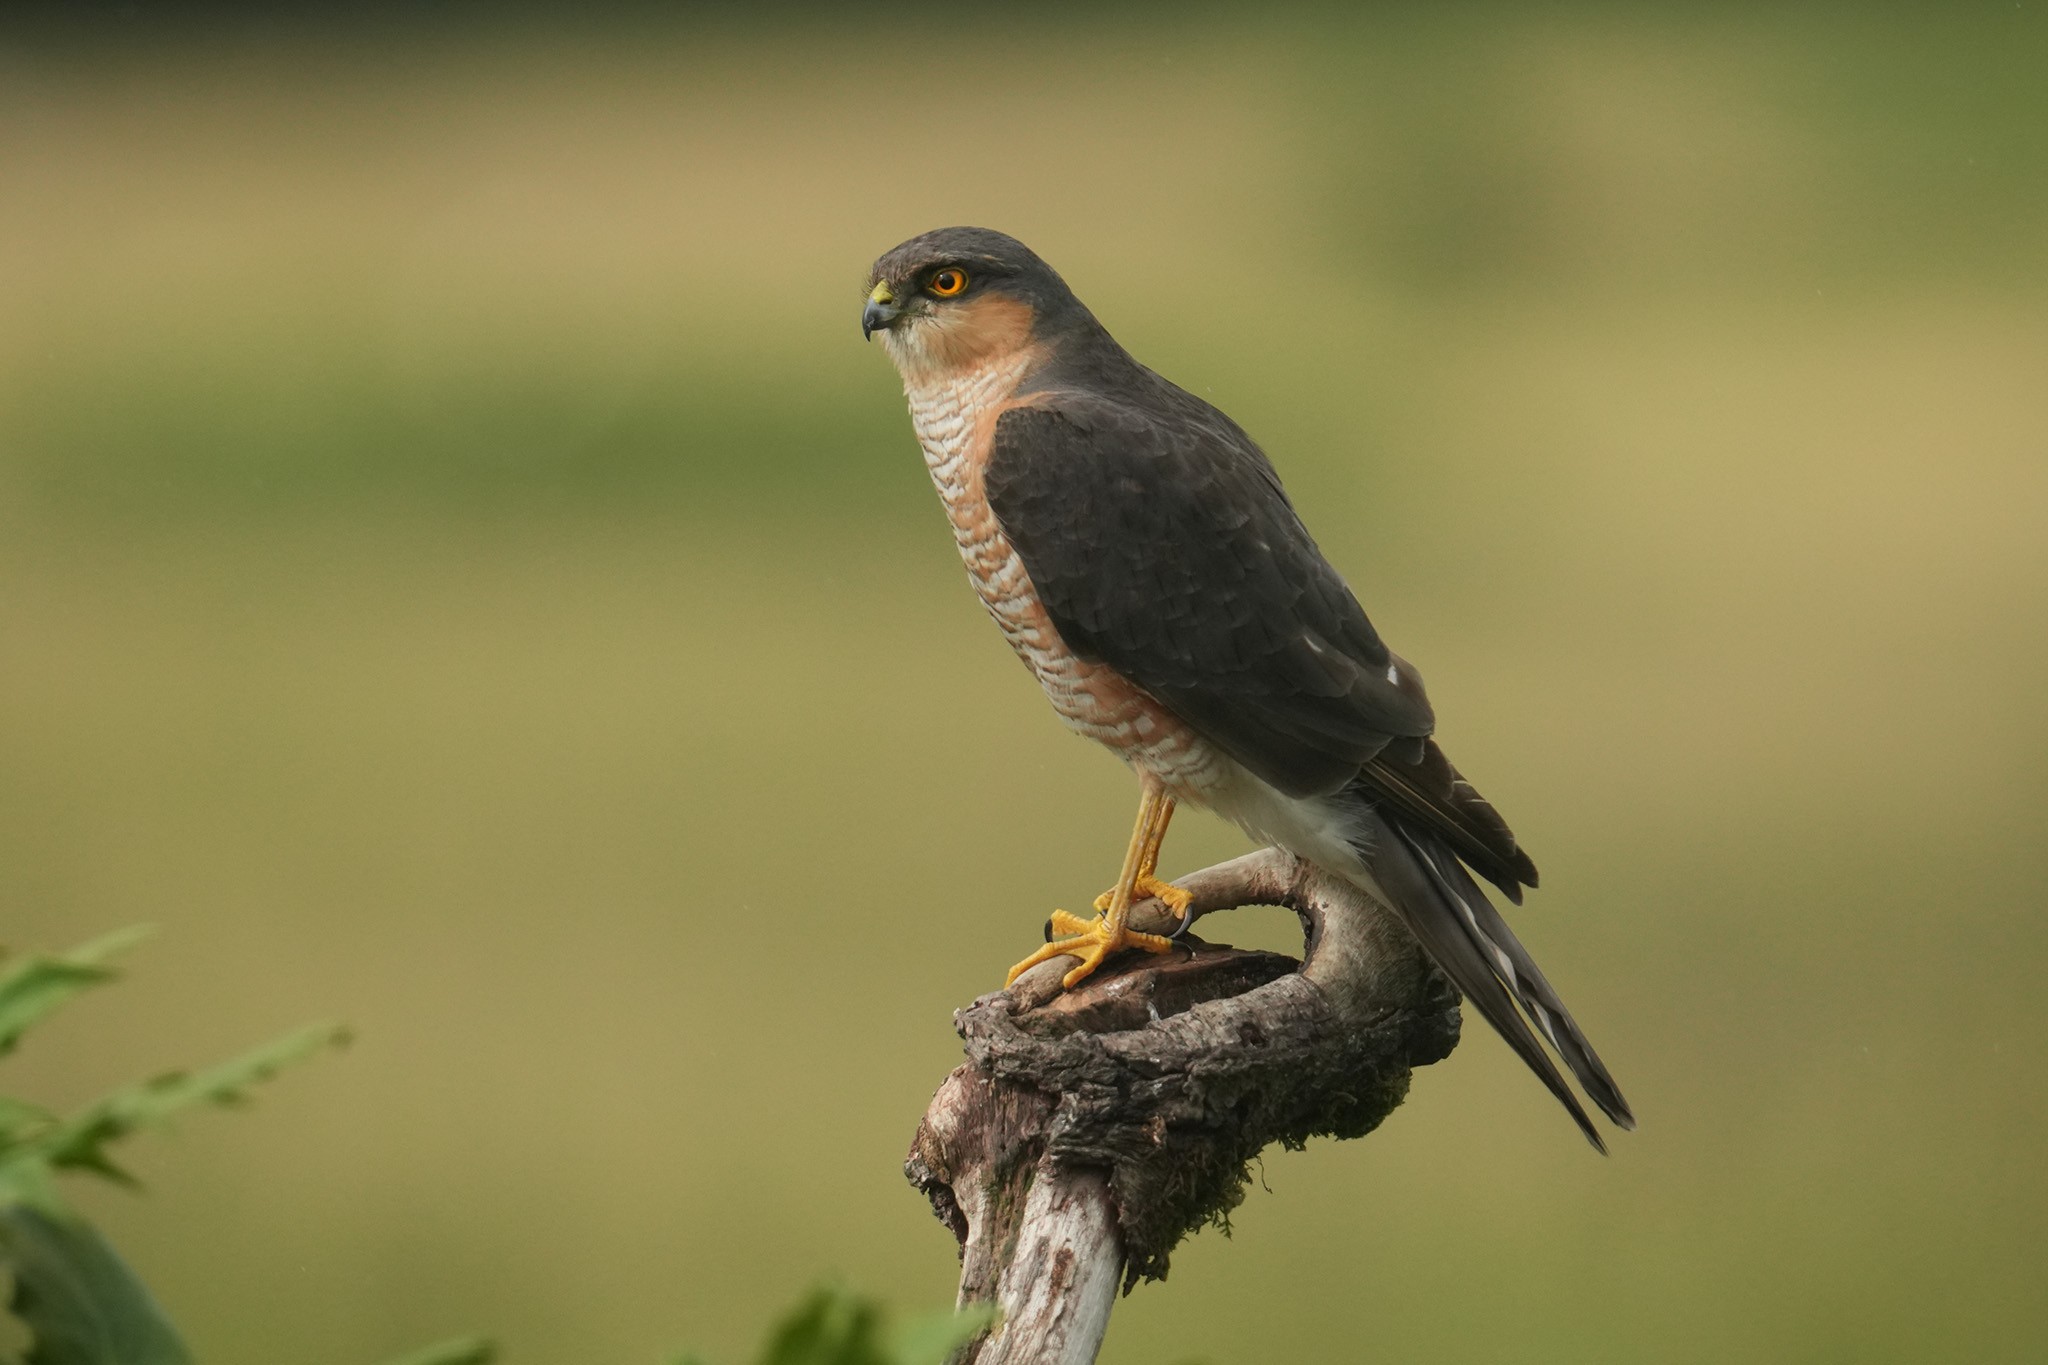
x=460, y=572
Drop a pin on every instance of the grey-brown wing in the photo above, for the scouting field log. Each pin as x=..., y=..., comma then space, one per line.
x=1162, y=546
x=1421, y=782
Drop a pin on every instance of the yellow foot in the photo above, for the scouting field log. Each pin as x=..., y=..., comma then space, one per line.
x=1091, y=941
x=1149, y=886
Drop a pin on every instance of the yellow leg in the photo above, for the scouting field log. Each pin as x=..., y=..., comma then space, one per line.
x=1094, y=940
x=1148, y=863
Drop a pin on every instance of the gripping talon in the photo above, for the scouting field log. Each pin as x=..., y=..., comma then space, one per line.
x=1064, y=925
x=1091, y=942
x=1149, y=886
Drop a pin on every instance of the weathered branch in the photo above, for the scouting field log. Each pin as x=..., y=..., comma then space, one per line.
x=1090, y=1131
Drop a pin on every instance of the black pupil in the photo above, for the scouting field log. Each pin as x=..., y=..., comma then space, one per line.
x=948, y=281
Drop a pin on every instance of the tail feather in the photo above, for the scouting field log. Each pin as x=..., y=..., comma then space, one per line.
x=1539, y=1000
x=1460, y=929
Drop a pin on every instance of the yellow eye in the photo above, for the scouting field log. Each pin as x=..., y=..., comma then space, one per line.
x=948, y=282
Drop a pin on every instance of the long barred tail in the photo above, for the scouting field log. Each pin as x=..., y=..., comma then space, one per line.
x=1459, y=928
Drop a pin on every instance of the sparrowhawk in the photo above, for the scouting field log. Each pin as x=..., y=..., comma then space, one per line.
x=1138, y=552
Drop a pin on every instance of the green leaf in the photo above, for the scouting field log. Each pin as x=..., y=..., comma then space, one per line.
x=460, y=1351
x=932, y=1340
x=80, y=1141
x=836, y=1327
x=33, y=987
x=831, y=1327
x=19, y=1118
x=80, y=1303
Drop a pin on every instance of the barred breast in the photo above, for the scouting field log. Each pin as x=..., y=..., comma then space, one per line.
x=955, y=418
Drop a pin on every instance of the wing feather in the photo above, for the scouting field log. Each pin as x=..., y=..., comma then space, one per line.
x=1162, y=545
x=1423, y=784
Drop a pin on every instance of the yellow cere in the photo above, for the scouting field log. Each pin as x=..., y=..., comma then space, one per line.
x=881, y=294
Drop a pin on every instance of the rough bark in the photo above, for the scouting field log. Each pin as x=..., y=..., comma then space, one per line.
x=1089, y=1131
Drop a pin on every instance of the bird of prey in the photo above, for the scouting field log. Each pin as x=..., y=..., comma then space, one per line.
x=1138, y=552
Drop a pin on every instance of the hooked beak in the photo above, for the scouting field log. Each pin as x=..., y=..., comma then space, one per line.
x=881, y=310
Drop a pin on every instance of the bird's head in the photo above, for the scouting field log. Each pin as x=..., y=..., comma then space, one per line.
x=961, y=297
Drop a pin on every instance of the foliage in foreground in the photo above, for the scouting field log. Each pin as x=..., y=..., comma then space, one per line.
x=836, y=1327
x=82, y=1305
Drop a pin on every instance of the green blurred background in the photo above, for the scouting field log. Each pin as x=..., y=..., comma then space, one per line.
x=461, y=572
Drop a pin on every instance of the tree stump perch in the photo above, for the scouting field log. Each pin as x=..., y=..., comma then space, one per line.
x=1089, y=1131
